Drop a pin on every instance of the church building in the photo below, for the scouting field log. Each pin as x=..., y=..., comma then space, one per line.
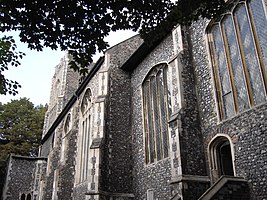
x=184, y=118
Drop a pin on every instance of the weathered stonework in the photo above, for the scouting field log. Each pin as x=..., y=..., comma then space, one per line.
x=155, y=176
x=247, y=130
x=115, y=153
x=25, y=168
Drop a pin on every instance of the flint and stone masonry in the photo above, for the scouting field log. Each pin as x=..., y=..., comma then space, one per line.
x=96, y=141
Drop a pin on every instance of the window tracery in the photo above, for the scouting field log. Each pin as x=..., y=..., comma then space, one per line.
x=84, y=137
x=238, y=47
x=155, y=110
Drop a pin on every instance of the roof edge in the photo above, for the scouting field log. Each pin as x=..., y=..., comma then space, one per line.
x=73, y=99
x=140, y=54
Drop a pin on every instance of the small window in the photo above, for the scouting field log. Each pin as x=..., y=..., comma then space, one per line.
x=150, y=194
x=238, y=47
x=155, y=109
x=23, y=197
x=67, y=127
x=26, y=197
x=29, y=196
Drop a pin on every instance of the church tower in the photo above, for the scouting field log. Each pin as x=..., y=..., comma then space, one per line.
x=64, y=83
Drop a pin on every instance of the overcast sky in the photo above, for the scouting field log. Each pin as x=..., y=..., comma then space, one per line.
x=37, y=69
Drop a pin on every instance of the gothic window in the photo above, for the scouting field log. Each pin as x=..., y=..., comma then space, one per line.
x=155, y=108
x=150, y=194
x=55, y=185
x=29, y=197
x=57, y=90
x=67, y=124
x=86, y=102
x=22, y=197
x=67, y=127
x=238, y=47
x=84, y=137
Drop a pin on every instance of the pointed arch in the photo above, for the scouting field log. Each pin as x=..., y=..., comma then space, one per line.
x=86, y=100
x=221, y=156
x=84, y=140
x=156, y=113
x=238, y=53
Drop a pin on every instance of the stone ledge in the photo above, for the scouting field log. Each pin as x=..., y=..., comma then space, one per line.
x=96, y=143
x=175, y=116
x=192, y=178
x=111, y=194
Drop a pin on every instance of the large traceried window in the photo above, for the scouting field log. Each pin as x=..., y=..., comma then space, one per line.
x=155, y=108
x=84, y=137
x=238, y=46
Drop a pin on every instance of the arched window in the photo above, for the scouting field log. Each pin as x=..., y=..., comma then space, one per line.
x=67, y=127
x=238, y=47
x=84, y=137
x=67, y=123
x=86, y=102
x=29, y=197
x=155, y=111
x=23, y=197
x=220, y=157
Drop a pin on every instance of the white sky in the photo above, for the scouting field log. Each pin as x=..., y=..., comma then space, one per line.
x=37, y=69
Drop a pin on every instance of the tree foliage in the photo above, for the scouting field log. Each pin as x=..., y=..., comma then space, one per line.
x=8, y=56
x=21, y=125
x=80, y=26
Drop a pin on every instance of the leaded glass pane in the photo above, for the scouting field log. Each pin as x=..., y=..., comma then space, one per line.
x=87, y=146
x=250, y=56
x=260, y=21
x=82, y=153
x=236, y=64
x=155, y=98
x=156, y=117
x=86, y=101
x=85, y=151
x=163, y=109
x=227, y=98
x=145, y=94
x=150, y=127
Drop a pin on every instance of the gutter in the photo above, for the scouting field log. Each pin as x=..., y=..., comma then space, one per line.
x=73, y=99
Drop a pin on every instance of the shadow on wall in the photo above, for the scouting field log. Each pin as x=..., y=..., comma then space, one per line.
x=3, y=166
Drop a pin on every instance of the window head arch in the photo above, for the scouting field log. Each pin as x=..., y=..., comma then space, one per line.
x=67, y=124
x=86, y=101
x=29, y=197
x=239, y=57
x=156, y=112
x=84, y=139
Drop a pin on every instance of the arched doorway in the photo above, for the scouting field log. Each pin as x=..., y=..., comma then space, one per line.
x=225, y=159
x=221, y=157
